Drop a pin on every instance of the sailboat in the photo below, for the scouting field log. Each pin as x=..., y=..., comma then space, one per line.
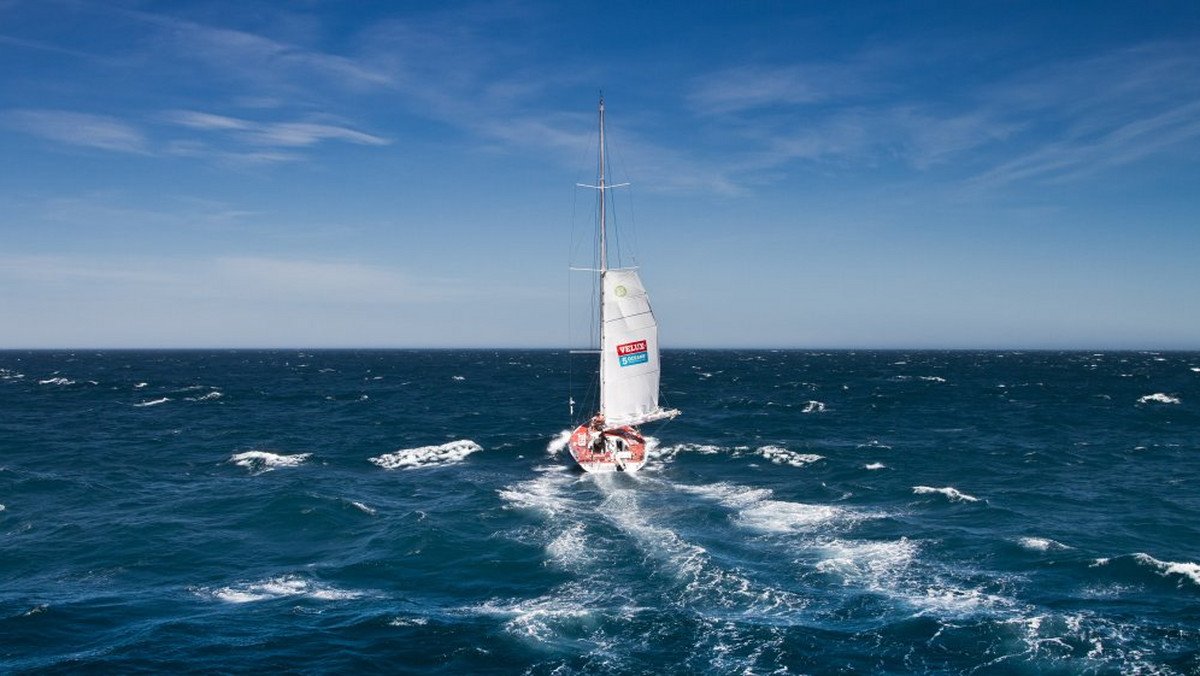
x=629, y=361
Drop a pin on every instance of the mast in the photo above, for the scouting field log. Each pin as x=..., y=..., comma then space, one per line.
x=603, y=254
x=602, y=187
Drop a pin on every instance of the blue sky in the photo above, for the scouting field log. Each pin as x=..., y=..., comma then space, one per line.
x=805, y=174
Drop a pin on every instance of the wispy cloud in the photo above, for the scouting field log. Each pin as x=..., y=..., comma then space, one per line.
x=256, y=58
x=78, y=129
x=1054, y=122
x=755, y=86
x=283, y=134
x=1094, y=114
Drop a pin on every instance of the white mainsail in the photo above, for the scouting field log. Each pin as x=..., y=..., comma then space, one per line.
x=629, y=352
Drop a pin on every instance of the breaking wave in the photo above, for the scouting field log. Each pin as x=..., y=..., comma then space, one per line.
x=428, y=456
x=1041, y=544
x=952, y=494
x=152, y=402
x=1158, y=398
x=286, y=586
x=782, y=456
x=265, y=461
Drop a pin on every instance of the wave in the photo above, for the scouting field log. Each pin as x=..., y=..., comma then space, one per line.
x=285, y=586
x=952, y=494
x=1041, y=544
x=363, y=508
x=152, y=402
x=1159, y=398
x=428, y=456
x=875, y=466
x=1184, y=571
x=782, y=456
x=56, y=381
x=265, y=461
x=813, y=407
x=215, y=394
x=669, y=453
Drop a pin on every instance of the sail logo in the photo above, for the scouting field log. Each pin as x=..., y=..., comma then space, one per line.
x=633, y=353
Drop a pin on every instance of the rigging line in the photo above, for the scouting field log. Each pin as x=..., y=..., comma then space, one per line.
x=618, y=167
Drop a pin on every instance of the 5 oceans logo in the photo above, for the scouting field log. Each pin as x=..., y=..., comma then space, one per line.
x=633, y=353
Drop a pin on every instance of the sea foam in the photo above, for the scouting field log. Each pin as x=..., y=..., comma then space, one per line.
x=952, y=494
x=278, y=587
x=428, y=456
x=1159, y=398
x=1187, y=570
x=152, y=402
x=1041, y=544
x=782, y=456
x=265, y=461
x=56, y=381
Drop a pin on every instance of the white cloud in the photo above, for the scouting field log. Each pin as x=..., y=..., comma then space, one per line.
x=281, y=134
x=78, y=129
x=246, y=56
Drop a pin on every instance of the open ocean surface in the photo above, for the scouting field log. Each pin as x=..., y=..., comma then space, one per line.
x=414, y=512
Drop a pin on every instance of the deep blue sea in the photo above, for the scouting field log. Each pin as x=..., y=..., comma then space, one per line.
x=413, y=512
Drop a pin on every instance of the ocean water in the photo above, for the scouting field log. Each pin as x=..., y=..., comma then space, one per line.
x=413, y=512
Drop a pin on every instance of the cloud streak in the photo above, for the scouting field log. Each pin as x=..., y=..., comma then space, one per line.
x=278, y=134
x=1050, y=123
x=85, y=130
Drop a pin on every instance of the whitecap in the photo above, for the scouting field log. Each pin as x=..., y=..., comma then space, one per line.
x=933, y=379
x=215, y=394
x=875, y=466
x=408, y=622
x=265, y=461
x=428, y=456
x=1158, y=397
x=140, y=386
x=950, y=492
x=458, y=378
x=1041, y=544
x=152, y=402
x=56, y=381
x=1196, y=369
x=813, y=407
x=782, y=456
x=1190, y=571
x=668, y=453
x=363, y=508
x=278, y=587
